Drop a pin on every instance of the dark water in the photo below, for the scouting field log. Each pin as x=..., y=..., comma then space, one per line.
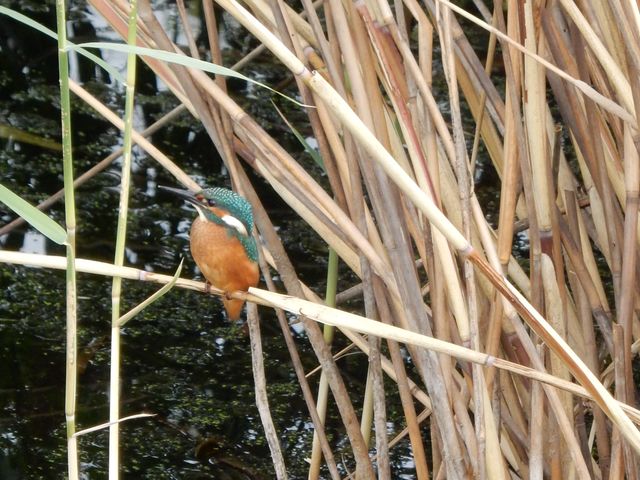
x=181, y=360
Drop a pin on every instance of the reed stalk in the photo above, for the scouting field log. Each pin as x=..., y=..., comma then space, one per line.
x=70, y=266
x=257, y=364
x=121, y=238
x=322, y=396
x=319, y=312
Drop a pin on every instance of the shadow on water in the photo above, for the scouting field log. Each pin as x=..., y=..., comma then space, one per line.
x=181, y=360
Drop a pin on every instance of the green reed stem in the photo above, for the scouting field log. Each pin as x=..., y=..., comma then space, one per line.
x=123, y=208
x=323, y=386
x=70, y=220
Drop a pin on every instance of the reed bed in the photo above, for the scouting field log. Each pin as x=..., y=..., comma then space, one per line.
x=525, y=365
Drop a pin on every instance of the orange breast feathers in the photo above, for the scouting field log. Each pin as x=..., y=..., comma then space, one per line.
x=223, y=261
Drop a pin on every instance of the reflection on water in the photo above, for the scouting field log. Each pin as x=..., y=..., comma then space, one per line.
x=34, y=242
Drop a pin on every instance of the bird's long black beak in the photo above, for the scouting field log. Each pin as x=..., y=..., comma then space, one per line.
x=186, y=195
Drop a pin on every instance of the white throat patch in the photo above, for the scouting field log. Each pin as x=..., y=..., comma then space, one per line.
x=235, y=223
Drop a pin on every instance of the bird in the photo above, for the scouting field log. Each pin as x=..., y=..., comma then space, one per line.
x=221, y=242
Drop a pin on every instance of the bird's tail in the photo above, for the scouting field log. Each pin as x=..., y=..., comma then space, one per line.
x=233, y=307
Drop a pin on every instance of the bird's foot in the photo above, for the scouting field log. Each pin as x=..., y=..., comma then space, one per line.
x=207, y=287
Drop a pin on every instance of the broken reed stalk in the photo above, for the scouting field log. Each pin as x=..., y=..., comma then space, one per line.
x=71, y=357
x=390, y=89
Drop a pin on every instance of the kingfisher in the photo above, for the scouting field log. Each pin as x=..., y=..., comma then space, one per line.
x=221, y=242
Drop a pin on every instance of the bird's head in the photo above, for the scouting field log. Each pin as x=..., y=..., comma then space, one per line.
x=221, y=206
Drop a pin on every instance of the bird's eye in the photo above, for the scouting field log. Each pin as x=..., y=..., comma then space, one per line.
x=206, y=201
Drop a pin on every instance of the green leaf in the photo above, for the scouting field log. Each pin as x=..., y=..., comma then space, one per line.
x=180, y=60
x=156, y=296
x=35, y=217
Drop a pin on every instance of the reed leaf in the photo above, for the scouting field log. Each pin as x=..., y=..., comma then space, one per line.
x=38, y=220
x=179, y=59
x=152, y=299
